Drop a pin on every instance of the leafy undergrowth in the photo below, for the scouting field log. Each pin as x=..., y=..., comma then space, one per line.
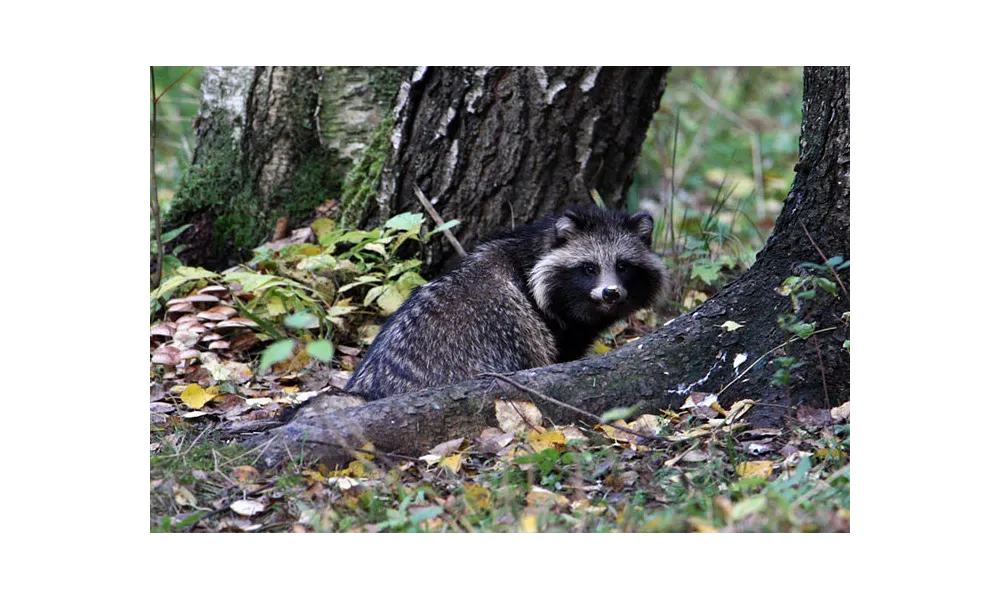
x=233, y=352
x=698, y=469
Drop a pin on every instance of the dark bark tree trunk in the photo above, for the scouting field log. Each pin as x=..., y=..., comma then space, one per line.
x=501, y=146
x=693, y=353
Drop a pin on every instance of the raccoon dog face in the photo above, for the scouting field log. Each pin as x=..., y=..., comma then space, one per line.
x=599, y=267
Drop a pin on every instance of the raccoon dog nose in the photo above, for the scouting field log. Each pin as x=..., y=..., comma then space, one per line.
x=611, y=294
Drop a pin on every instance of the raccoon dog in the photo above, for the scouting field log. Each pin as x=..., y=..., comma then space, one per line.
x=534, y=296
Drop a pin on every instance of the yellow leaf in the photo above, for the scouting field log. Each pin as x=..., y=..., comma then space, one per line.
x=453, y=463
x=701, y=525
x=755, y=468
x=314, y=476
x=601, y=348
x=529, y=523
x=275, y=306
x=545, y=440
x=184, y=497
x=477, y=495
x=694, y=298
x=730, y=325
x=196, y=396
x=824, y=453
x=355, y=469
x=617, y=434
x=539, y=496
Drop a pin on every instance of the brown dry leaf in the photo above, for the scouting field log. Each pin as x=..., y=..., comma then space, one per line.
x=573, y=433
x=509, y=415
x=646, y=425
x=755, y=468
x=725, y=506
x=244, y=474
x=696, y=456
x=814, y=417
x=446, y=448
x=546, y=439
x=701, y=404
x=493, y=440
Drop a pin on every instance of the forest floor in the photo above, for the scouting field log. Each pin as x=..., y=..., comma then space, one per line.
x=700, y=468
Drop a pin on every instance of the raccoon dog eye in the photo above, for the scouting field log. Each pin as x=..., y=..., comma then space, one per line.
x=622, y=266
x=590, y=268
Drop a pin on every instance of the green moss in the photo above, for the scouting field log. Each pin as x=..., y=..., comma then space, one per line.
x=386, y=82
x=361, y=183
x=216, y=187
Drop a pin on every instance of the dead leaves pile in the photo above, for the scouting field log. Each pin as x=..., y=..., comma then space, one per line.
x=459, y=484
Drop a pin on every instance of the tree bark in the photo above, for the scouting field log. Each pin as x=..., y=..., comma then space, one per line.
x=502, y=146
x=693, y=353
x=272, y=142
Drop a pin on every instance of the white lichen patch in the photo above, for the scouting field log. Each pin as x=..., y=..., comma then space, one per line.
x=590, y=79
x=685, y=389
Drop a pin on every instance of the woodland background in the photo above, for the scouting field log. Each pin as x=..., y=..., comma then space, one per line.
x=715, y=168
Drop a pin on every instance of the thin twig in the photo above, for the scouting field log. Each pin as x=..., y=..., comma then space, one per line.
x=822, y=373
x=176, y=81
x=154, y=205
x=762, y=356
x=437, y=219
x=758, y=170
x=825, y=260
x=570, y=407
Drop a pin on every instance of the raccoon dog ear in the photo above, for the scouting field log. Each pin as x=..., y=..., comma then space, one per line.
x=566, y=226
x=641, y=223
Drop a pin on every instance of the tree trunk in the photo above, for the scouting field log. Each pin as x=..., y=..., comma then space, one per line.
x=693, y=353
x=502, y=146
x=272, y=142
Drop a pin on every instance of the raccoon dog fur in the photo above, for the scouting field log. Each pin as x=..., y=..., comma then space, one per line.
x=534, y=296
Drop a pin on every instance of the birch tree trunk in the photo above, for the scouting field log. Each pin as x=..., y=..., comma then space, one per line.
x=693, y=353
x=273, y=142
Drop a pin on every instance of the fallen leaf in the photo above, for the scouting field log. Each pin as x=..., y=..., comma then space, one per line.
x=529, y=523
x=184, y=497
x=539, y=496
x=815, y=417
x=247, y=508
x=755, y=468
x=196, y=396
x=841, y=413
x=509, y=415
x=453, y=462
x=245, y=474
x=446, y=448
x=546, y=439
x=730, y=325
x=477, y=496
